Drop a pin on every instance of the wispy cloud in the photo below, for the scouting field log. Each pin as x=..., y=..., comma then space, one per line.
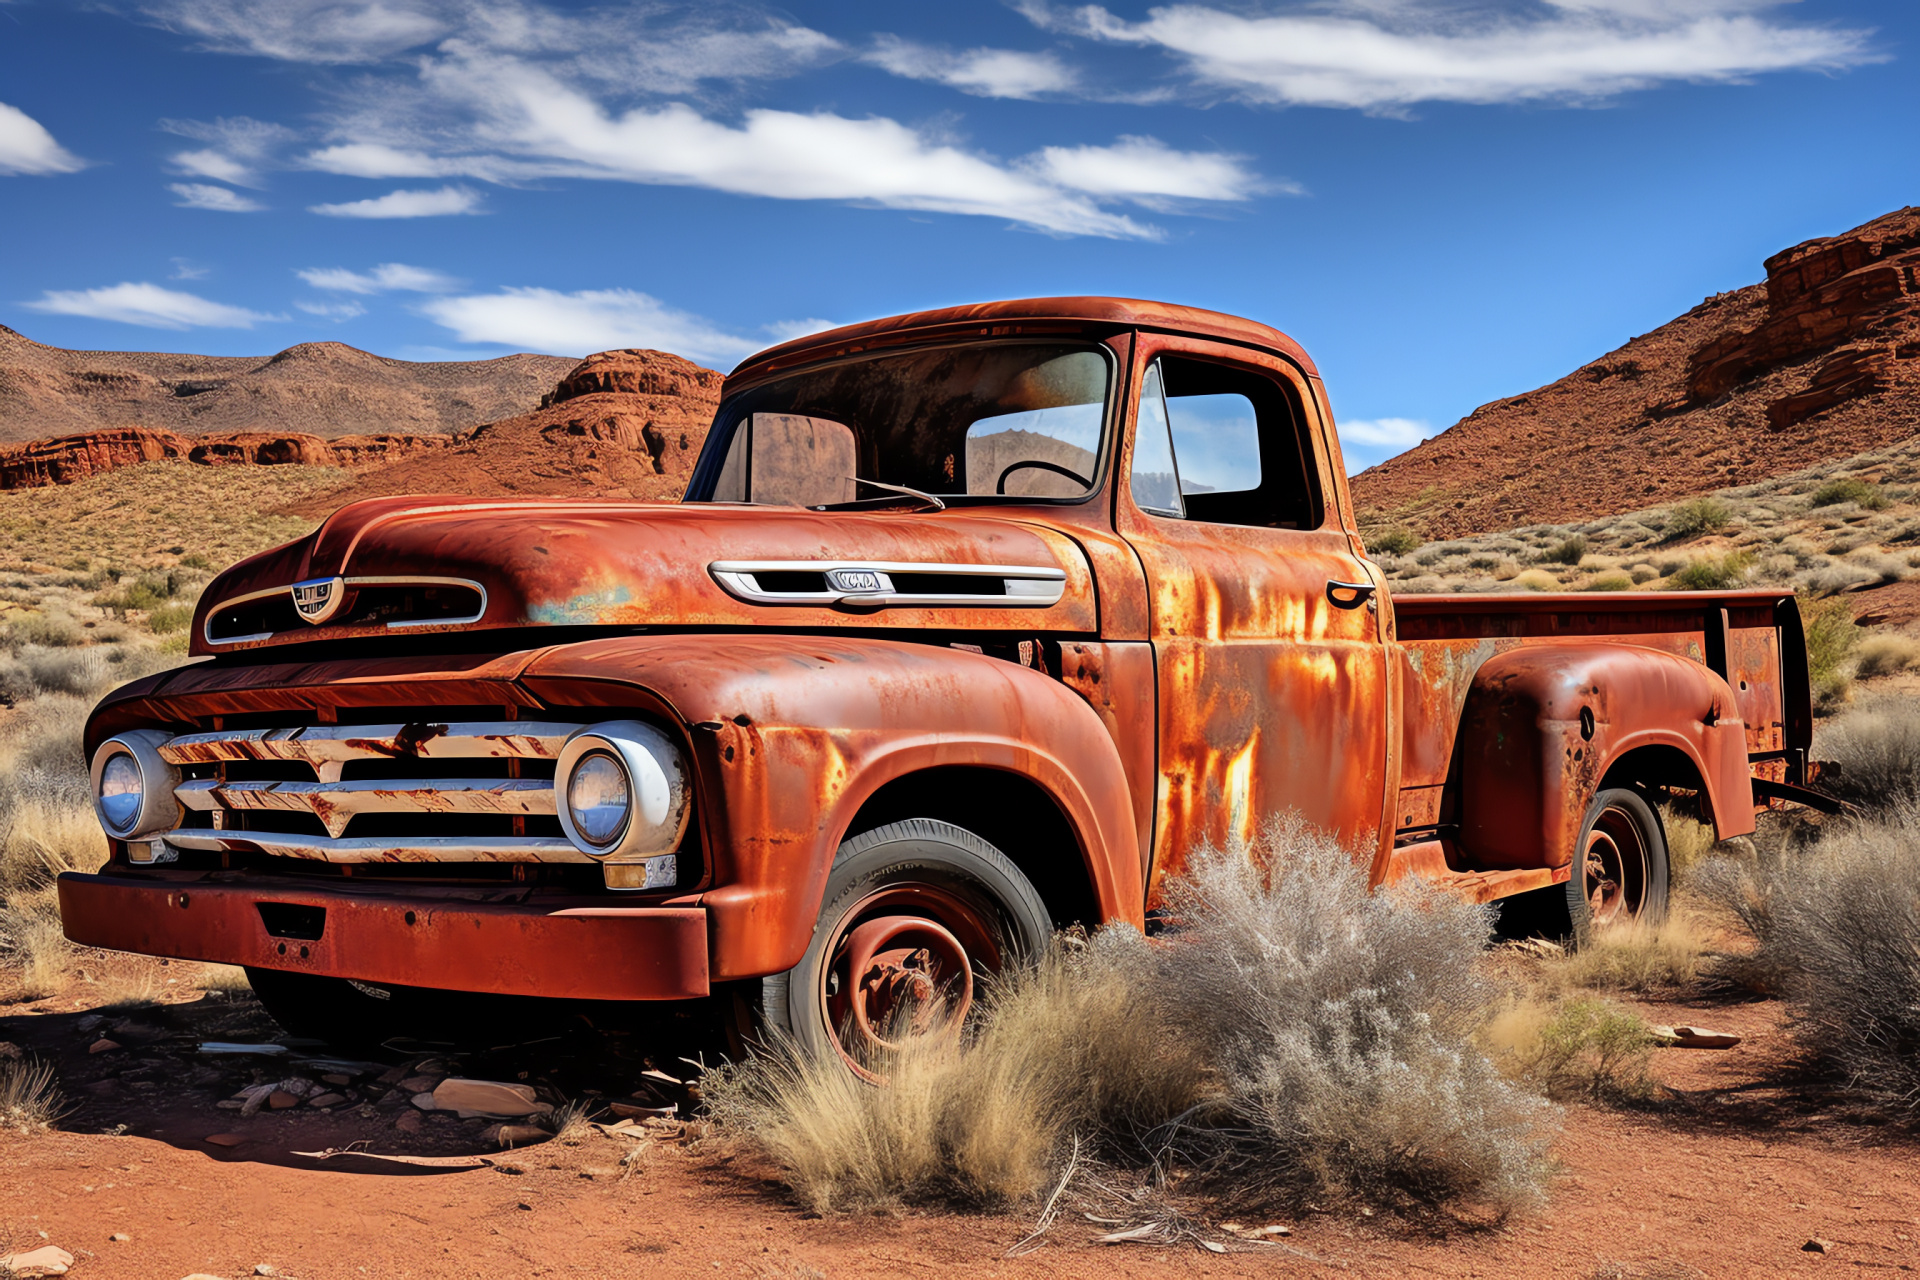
x=1386, y=55
x=407, y=204
x=238, y=147
x=386, y=277
x=27, y=147
x=1147, y=171
x=546, y=320
x=335, y=311
x=148, y=305
x=199, y=195
x=187, y=269
x=985, y=73
x=515, y=91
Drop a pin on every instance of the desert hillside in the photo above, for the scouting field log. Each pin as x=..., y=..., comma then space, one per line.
x=316, y=388
x=1820, y=361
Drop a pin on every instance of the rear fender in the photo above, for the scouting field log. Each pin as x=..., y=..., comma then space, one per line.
x=791, y=734
x=1544, y=725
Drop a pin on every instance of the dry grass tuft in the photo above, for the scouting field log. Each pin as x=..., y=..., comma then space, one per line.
x=1837, y=931
x=1875, y=754
x=1885, y=655
x=1584, y=1048
x=30, y=1098
x=1299, y=1041
x=222, y=977
x=1643, y=958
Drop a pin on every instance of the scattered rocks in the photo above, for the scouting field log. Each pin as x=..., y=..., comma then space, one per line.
x=103, y=1045
x=225, y=1139
x=92, y=1022
x=410, y=1123
x=324, y=1100
x=418, y=1084
x=265, y=1269
x=47, y=1260
x=1817, y=1245
x=120, y=1237
x=1693, y=1038
x=424, y=1101
x=280, y=1100
x=335, y=1078
x=515, y=1135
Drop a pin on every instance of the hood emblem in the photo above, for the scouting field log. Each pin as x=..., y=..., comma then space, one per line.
x=317, y=599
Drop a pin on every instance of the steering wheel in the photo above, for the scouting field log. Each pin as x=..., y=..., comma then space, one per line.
x=1000, y=485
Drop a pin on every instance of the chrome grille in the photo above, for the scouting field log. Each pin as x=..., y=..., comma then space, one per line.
x=420, y=766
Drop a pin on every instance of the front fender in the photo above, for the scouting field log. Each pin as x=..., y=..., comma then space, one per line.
x=792, y=734
x=1531, y=761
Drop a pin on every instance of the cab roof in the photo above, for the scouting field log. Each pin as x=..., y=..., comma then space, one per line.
x=1019, y=315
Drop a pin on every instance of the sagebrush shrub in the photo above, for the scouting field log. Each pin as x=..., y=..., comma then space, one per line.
x=1875, y=751
x=1697, y=516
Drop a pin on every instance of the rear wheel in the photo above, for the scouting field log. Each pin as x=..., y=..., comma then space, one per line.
x=915, y=914
x=1619, y=866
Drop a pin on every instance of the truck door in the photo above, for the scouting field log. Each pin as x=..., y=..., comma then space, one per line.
x=1272, y=679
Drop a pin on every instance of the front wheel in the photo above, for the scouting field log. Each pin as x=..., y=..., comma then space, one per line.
x=915, y=914
x=1619, y=865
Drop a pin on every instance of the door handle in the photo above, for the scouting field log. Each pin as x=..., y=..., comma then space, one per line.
x=1349, y=595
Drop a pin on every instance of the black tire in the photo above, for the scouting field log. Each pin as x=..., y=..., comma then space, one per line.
x=331, y=1009
x=1620, y=868
x=960, y=882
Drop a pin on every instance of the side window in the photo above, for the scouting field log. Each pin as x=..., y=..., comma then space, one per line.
x=784, y=460
x=1238, y=447
x=1156, y=483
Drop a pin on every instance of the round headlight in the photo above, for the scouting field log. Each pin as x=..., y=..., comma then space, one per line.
x=599, y=799
x=622, y=791
x=133, y=788
x=121, y=791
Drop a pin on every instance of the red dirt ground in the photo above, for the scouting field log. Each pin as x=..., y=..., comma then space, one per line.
x=1731, y=1179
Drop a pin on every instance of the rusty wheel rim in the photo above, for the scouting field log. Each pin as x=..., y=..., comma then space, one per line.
x=1615, y=868
x=900, y=967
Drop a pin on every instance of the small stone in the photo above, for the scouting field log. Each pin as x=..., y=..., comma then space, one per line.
x=230, y=1104
x=424, y=1101
x=1817, y=1245
x=103, y=1045
x=489, y=1097
x=265, y=1269
x=520, y=1135
x=409, y=1123
x=225, y=1139
x=280, y=1100
x=91, y=1022
x=48, y=1260
x=392, y=1076
x=119, y=1237
x=419, y=1084
x=325, y=1100
x=335, y=1078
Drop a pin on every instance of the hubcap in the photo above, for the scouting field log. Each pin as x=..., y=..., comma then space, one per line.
x=902, y=967
x=1615, y=868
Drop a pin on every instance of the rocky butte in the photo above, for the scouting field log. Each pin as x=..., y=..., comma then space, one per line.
x=1820, y=361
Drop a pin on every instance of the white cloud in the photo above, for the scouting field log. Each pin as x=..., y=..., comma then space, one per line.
x=27, y=147
x=1389, y=54
x=305, y=30
x=198, y=195
x=788, y=330
x=149, y=305
x=238, y=147
x=515, y=91
x=407, y=204
x=383, y=278
x=985, y=73
x=546, y=320
x=1146, y=170
x=1384, y=433
x=185, y=269
x=335, y=311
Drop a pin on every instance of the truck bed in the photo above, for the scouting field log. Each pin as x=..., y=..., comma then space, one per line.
x=1753, y=639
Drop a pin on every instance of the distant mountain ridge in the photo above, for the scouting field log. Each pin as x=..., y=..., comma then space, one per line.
x=321, y=389
x=1821, y=361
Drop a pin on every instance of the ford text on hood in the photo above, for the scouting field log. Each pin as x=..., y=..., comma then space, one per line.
x=973, y=625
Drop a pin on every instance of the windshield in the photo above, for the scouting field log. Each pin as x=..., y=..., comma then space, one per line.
x=1013, y=420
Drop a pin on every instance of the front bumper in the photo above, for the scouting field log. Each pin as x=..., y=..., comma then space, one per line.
x=501, y=943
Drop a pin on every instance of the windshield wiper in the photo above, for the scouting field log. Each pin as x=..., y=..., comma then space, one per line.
x=931, y=503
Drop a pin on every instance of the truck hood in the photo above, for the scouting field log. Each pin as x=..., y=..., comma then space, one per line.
x=393, y=566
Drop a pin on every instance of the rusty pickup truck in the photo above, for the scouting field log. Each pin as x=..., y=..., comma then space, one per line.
x=972, y=625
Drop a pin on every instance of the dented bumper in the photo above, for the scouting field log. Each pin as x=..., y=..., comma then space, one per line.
x=500, y=943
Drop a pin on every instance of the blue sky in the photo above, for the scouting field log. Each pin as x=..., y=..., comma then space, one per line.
x=1446, y=201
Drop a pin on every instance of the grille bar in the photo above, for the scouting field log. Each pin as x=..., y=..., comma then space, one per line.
x=338, y=803
x=329, y=746
x=377, y=849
